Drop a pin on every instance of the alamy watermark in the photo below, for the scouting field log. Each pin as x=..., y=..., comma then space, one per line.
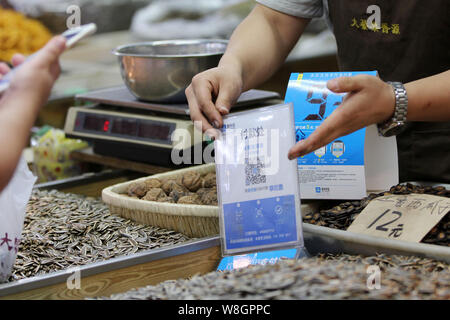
x=374, y=21
x=74, y=19
x=374, y=278
x=74, y=280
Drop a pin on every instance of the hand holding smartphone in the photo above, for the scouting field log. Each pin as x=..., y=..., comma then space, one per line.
x=72, y=36
x=76, y=34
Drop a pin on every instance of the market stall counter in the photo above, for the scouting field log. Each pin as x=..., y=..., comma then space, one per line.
x=74, y=247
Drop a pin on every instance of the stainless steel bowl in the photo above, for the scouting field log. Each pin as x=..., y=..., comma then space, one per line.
x=160, y=71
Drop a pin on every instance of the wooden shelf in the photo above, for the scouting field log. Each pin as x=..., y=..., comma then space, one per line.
x=88, y=155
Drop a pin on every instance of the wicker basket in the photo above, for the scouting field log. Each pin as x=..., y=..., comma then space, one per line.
x=192, y=220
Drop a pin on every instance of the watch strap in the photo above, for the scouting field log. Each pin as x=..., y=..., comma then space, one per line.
x=396, y=124
x=401, y=102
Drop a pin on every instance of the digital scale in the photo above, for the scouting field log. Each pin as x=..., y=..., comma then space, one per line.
x=120, y=125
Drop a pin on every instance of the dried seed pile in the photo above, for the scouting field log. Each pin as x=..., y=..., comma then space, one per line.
x=342, y=215
x=64, y=230
x=384, y=261
x=189, y=188
x=322, y=277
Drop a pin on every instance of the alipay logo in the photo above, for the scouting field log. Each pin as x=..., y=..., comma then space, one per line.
x=317, y=189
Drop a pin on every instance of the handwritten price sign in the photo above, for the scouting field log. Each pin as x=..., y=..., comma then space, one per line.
x=403, y=217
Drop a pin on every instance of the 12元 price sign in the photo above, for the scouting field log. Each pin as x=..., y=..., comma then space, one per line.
x=403, y=217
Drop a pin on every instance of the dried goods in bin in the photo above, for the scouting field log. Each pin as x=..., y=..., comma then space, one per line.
x=322, y=277
x=342, y=215
x=63, y=230
x=188, y=188
x=337, y=217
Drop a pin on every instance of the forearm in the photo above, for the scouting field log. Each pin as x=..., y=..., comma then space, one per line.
x=17, y=116
x=261, y=43
x=429, y=98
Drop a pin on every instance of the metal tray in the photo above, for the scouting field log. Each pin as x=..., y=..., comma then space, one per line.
x=327, y=240
x=120, y=274
x=120, y=96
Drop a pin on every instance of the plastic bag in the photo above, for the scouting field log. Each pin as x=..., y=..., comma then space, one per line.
x=52, y=160
x=181, y=19
x=108, y=15
x=13, y=201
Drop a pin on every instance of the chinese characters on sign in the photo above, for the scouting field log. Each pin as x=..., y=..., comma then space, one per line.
x=385, y=28
x=9, y=243
x=404, y=217
x=395, y=232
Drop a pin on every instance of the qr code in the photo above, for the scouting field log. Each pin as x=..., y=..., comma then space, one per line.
x=254, y=173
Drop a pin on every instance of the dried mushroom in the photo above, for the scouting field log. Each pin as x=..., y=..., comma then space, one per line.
x=166, y=199
x=153, y=183
x=191, y=180
x=175, y=195
x=154, y=194
x=171, y=185
x=192, y=199
x=200, y=192
x=209, y=198
x=209, y=180
x=138, y=189
x=189, y=188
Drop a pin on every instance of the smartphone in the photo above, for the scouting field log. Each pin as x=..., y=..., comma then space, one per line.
x=72, y=36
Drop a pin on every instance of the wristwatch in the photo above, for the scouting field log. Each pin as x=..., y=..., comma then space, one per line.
x=397, y=123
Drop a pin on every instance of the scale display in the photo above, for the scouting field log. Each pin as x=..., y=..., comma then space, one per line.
x=118, y=126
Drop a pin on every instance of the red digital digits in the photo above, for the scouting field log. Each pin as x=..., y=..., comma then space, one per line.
x=106, y=125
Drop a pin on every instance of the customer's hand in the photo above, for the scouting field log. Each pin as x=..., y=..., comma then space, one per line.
x=16, y=60
x=35, y=79
x=212, y=94
x=20, y=103
x=4, y=69
x=369, y=100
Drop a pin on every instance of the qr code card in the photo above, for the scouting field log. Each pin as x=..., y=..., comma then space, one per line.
x=258, y=188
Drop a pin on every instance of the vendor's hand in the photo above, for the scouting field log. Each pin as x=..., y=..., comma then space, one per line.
x=211, y=95
x=369, y=101
x=35, y=79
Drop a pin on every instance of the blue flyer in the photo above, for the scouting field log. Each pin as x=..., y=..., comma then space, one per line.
x=335, y=171
x=258, y=189
x=260, y=222
x=262, y=258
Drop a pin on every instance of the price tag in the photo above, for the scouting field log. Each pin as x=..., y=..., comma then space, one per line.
x=403, y=217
